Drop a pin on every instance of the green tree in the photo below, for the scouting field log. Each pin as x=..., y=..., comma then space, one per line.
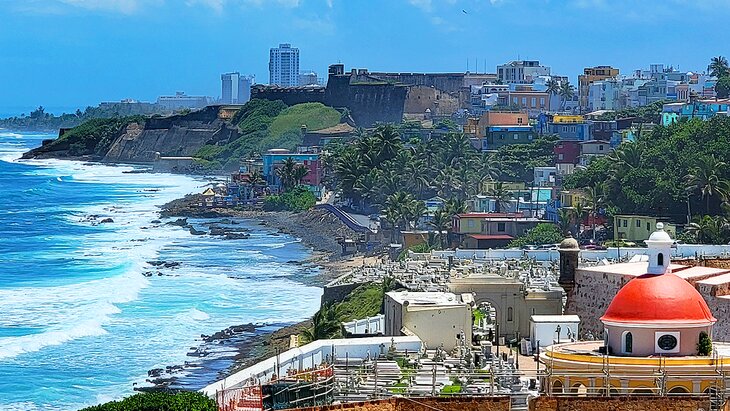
x=501, y=196
x=441, y=222
x=567, y=92
x=543, y=233
x=718, y=67
x=722, y=87
x=706, y=178
x=325, y=325
x=160, y=401
x=285, y=172
x=565, y=220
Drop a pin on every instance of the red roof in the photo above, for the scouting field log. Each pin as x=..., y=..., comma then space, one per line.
x=491, y=237
x=658, y=299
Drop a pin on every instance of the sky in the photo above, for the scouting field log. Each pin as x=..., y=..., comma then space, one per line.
x=65, y=54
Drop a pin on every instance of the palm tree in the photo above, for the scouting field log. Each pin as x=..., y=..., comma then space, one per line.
x=501, y=196
x=626, y=156
x=325, y=324
x=595, y=198
x=718, y=67
x=300, y=171
x=488, y=168
x=286, y=173
x=580, y=212
x=441, y=222
x=567, y=91
x=565, y=220
x=413, y=211
x=552, y=86
x=388, y=141
x=706, y=179
x=257, y=178
x=709, y=230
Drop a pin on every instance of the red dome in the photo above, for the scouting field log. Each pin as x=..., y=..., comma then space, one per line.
x=658, y=299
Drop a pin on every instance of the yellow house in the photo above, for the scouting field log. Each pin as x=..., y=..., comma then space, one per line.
x=571, y=198
x=566, y=118
x=639, y=227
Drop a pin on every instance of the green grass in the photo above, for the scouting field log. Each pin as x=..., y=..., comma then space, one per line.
x=478, y=316
x=451, y=389
x=316, y=116
x=364, y=301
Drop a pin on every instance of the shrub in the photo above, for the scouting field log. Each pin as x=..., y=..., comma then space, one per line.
x=543, y=233
x=297, y=199
x=160, y=401
x=704, y=346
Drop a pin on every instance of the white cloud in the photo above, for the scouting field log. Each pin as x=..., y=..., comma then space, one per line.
x=62, y=6
x=424, y=5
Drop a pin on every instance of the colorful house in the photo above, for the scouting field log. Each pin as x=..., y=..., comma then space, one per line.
x=639, y=227
x=274, y=158
x=570, y=127
x=491, y=230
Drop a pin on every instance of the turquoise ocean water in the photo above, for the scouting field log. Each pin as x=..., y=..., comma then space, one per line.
x=79, y=323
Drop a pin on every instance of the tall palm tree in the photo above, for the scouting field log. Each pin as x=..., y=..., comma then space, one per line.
x=718, y=67
x=567, y=92
x=709, y=230
x=706, y=179
x=300, y=171
x=389, y=142
x=286, y=173
x=580, y=212
x=565, y=220
x=501, y=196
x=414, y=210
x=441, y=222
x=595, y=199
x=626, y=156
x=552, y=86
x=488, y=168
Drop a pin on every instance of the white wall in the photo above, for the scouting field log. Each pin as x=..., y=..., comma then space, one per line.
x=314, y=354
x=546, y=334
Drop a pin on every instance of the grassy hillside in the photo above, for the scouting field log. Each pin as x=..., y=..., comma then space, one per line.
x=265, y=125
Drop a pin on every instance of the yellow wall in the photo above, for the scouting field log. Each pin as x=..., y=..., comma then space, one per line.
x=631, y=232
x=567, y=119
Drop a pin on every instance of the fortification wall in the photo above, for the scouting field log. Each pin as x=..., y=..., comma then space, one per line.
x=369, y=103
x=591, y=296
x=447, y=82
x=619, y=403
x=290, y=95
x=422, y=404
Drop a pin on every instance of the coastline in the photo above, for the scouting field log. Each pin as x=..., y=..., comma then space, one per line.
x=240, y=346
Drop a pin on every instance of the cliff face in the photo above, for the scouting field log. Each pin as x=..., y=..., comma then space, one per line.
x=175, y=136
x=138, y=141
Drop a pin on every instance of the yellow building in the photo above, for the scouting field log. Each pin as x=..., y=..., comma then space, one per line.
x=656, y=340
x=638, y=227
x=571, y=198
x=567, y=119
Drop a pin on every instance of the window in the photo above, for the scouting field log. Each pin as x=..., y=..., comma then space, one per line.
x=509, y=314
x=542, y=101
x=524, y=101
x=470, y=223
x=638, y=223
x=501, y=136
x=660, y=259
x=533, y=102
x=648, y=226
x=500, y=227
x=600, y=148
x=560, y=156
x=519, y=120
x=529, y=136
x=628, y=343
x=517, y=136
x=626, y=223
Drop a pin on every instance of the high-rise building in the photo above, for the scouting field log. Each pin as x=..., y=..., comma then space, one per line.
x=244, y=89
x=521, y=71
x=235, y=88
x=591, y=74
x=229, y=87
x=284, y=66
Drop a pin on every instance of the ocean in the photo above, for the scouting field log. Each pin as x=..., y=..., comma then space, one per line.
x=79, y=322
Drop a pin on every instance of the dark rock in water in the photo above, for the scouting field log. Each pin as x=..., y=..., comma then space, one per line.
x=237, y=236
x=193, y=231
x=156, y=263
x=155, y=372
x=155, y=221
x=171, y=264
x=147, y=273
x=180, y=222
x=106, y=220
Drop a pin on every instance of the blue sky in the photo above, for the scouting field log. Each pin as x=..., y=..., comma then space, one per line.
x=73, y=53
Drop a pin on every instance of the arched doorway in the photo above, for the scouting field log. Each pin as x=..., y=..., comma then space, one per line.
x=578, y=388
x=678, y=390
x=642, y=391
x=557, y=387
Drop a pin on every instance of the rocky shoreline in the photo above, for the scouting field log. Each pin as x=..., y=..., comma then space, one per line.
x=240, y=346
